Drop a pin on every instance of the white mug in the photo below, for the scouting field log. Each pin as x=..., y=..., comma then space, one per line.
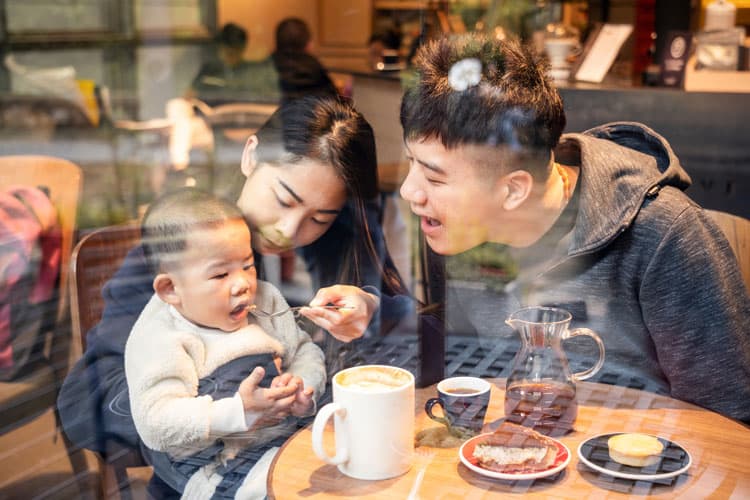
x=373, y=420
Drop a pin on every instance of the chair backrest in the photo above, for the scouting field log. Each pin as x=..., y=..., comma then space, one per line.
x=95, y=259
x=238, y=121
x=63, y=179
x=737, y=231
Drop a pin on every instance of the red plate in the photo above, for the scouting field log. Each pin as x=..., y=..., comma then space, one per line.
x=466, y=454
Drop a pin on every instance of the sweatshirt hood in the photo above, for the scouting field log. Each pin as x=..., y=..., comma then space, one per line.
x=622, y=164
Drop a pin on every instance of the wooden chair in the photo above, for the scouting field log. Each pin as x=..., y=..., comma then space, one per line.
x=737, y=231
x=27, y=397
x=95, y=259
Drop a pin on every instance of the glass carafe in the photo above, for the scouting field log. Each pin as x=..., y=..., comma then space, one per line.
x=540, y=391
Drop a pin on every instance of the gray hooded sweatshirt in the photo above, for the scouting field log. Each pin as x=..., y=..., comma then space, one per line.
x=643, y=266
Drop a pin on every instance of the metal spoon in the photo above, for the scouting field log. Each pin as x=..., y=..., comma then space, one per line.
x=259, y=313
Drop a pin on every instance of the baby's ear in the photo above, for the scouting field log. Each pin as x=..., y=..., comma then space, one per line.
x=248, y=161
x=165, y=289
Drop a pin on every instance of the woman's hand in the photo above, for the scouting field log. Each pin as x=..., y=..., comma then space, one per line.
x=344, y=324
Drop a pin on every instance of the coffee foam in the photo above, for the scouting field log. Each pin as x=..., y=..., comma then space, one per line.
x=373, y=378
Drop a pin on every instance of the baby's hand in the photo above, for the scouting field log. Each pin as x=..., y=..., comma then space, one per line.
x=275, y=400
x=303, y=403
x=303, y=400
x=281, y=380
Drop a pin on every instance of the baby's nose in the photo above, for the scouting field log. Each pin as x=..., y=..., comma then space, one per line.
x=240, y=286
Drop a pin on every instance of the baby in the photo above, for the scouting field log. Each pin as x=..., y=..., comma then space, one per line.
x=210, y=386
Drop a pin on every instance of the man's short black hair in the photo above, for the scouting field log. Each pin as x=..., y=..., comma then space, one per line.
x=292, y=34
x=508, y=101
x=232, y=35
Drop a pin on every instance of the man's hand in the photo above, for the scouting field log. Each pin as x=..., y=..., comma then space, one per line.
x=345, y=324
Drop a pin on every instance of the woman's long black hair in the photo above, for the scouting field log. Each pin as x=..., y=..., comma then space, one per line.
x=331, y=131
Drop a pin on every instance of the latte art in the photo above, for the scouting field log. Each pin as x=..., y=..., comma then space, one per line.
x=373, y=378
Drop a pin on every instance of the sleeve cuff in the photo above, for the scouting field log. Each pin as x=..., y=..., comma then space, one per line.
x=228, y=416
x=374, y=291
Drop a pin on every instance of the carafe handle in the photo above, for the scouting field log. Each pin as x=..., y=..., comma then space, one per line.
x=594, y=369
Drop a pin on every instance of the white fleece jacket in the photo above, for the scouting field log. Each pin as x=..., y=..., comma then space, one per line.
x=166, y=356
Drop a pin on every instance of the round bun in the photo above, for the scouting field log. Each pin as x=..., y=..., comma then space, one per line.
x=636, y=450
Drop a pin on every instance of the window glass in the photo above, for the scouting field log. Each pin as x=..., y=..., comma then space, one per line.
x=53, y=16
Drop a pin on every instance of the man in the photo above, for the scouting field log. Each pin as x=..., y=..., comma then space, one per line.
x=382, y=43
x=230, y=78
x=597, y=221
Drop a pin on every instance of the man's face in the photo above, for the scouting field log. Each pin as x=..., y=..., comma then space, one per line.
x=455, y=203
x=231, y=56
x=215, y=279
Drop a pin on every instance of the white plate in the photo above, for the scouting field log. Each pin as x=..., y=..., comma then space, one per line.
x=673, y=461
x=466, y=453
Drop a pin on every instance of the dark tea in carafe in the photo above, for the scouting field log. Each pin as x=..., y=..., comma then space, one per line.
x=548, y=407
x=540, y=391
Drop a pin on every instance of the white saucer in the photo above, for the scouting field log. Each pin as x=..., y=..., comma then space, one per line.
x=673, y=461
x=466, y=453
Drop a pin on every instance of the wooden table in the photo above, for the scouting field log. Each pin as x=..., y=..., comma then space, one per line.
x=720, y=449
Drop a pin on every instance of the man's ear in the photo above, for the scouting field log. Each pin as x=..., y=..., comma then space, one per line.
x=248, y=155
x=165, y=289
x=517, y=187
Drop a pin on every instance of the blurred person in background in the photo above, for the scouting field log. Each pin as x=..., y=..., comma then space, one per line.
x=227, y=79
x=382, y=43
x=300, y=72
x=231, y=78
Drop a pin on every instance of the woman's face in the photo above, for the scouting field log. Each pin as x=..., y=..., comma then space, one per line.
x=290, y=205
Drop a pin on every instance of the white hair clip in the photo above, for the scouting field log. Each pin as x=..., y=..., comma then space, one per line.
x=465, y=73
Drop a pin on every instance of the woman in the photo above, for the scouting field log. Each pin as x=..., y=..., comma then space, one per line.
x=310, y=174
x=312, y=185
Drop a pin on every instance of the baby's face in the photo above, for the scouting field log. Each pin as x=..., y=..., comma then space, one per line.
x=216, y=279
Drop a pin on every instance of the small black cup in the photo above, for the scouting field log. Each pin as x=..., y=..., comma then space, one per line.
x=464, y=402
